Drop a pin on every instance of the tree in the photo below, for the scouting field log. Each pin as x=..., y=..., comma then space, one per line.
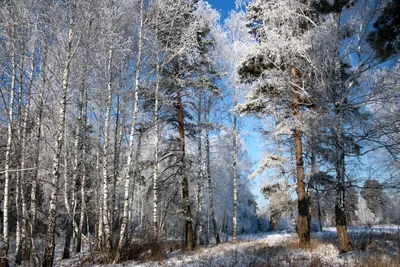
x=372, y=193
x=71, y=49
x=385, y=37
x=278, y=74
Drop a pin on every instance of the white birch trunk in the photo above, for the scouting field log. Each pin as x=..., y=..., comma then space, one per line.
x=18, y=186
x=34, y=259
x=26, y=249
x=200, y=174
x=128, y=170
x=105, y=218
x=155, y=167
x=50, y=242
x=6, y=237
x=84, y=100
x=208, y=172
x=234, y=158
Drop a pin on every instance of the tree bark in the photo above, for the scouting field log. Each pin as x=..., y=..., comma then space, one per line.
x=51, y=224
x=302, y=201
x=345, y=244
x=128, y=170
x=200, y=173
x=156, y=144
x=106, y=242
x=189, y=235
x=6, y=202
x=317, y=193
x=208, y=173
x=18, y=176
x=234, y=159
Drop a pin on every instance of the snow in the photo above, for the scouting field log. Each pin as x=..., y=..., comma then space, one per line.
x=375, y=246
x=280, y=249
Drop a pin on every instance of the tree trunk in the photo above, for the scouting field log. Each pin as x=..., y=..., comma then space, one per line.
x=106, y=243
x=317, y=194
x=19, y=152
x=51, y=223
x=234, y=159
x=208, y=173
x=189, y=235
x=6, y=202
x=340, y=207
x=156, y=144
x=200, y=173
x=302, y=201
x=34, y=258
x=82, y=123
x=128, y=170
x=67, y=192
x=26, y=246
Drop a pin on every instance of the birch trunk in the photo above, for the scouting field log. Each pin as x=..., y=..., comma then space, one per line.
x=26, y=246
x=18, y=186
x=34, y=258
x=50, y=242
x=128, y=170
x=6, y=237
x=84, y=140
x=68, y=223
x=208, y=173
x=106, y=243
x=155, y=167
x=234, y=158
x=200, y=174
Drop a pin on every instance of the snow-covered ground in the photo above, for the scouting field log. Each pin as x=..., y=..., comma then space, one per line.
x=376, y=246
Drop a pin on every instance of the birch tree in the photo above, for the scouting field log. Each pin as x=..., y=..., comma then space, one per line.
x=72, y=45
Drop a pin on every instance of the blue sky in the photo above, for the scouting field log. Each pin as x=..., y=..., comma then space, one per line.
x=252, y=138
x=223, y=6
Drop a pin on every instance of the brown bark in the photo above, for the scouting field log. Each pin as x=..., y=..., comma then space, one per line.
x=302, y=201
x=189, y=235
x=340, y=207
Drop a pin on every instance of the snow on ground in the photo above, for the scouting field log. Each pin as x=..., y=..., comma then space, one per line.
x=376, y=246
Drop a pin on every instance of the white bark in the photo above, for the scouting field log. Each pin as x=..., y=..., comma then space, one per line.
x=50, y=242
x=234, y=157
x=105, y=208
x=208, y=173
x=6, y=237
x=128, y=169
x=200, y=173
x=155, y=167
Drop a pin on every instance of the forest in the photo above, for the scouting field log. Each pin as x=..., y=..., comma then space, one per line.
x=126, y=126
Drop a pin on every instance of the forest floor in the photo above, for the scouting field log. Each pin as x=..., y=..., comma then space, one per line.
x=376, y=246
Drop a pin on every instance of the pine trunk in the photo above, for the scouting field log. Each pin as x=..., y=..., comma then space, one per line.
x=345, y=244
x=302, y=201
x=189, y=235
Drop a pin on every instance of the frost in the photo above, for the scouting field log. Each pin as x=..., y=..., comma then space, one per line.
x=268, y=162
